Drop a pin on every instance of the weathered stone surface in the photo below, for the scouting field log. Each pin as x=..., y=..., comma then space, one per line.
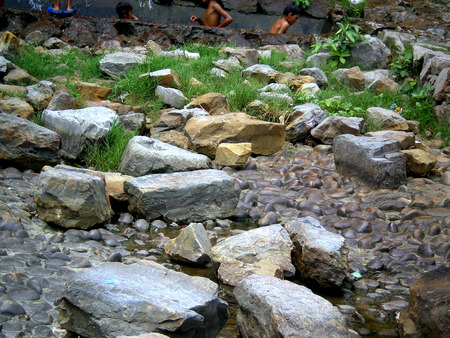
x=419, y=162
x=246, y=56
x=371, y=54
x=302, y=120
x=261, y=72
x=5, y=65
x=16, y=107
x=265, y=251
x=173, y=97
x=188, y=196
x=118, y=299
x=164, y=77
x=377, y=162
x=207, y=132
x=115, y=185
x=39, y=95
x=433, y=66
x=134, y=122
x=9, y=45
x=72, y=198
x=233, y=154
x=386, y=119
x=17, y=76
x=144, y=155
x=270, y=307
x=427, y=312
x=13, y=90
x=442, y=85
x=79, y=128
x=318, y=75
x=175, y=120
x=406, y=139
x=192, y=245
x=319, y=256
x=62, y=100
x=385, y=84
x=91, y=91
x=353, y=77
x=318, y=60
x=395, y=39
x=228, y=65
x=117, y=64
x=333, y=126
x=293, y=52
x=213, y=103
x=374, y=75
x=26, y=144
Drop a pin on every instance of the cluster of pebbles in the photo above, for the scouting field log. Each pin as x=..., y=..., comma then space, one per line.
x=393, y=236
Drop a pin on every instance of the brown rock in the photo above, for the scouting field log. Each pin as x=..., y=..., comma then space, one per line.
x=16, y=107
x=12, y=90
x=62, y=100
x=9, y=44
x=174, y=138
x=165, y=77
x=355, y=78
x=207, y=132
x=406, y=139
x=419, y=162
x=92, y=92
x=233, y=154
x=18, y=76
x=114, y=185
x=385, y=84
x=213, y=103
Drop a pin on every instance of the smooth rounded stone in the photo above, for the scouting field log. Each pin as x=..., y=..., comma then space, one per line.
x=224, y=223
x=366, y=284
x=397, y=253
x=395, y=305
x=125, y=219
x=348, y=233
x=10, y=307
x=337, y=193
x=158, y=224
x=250, y=165
x=268, y=219
x=392, y=227
x=115, y=257
x=395, y=288
x=111, y=242
x=11, y=224
x=424, y=250
x=418, y=234
x=344, y=224
x=57, y=238
x=388, y=333
x=374, y=296
x=21, y=234
x=434, y=230
x=409, y=257
x=36, y=284
x=364, y=331
x=94, y=235
x=141, y=225
x=111, y=228
x=60, y=255
x=363, y=227
x=3, y=252
x=376, y=237
x=2, y=288
x=43, y=331
x=366, y=243
x=375, y=264
x=243, y=184
x=255, y=213
x=81, y=263
x=42, y=318
x=425, y=262
x=442, y=248
x=129, y=233
x=251, y=198
x=269, y=207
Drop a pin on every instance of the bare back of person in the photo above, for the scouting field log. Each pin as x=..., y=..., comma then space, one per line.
x=279, y=27
x=212, y=17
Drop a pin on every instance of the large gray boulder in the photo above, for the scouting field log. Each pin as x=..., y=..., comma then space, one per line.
x=72, y=198
x=333, y=126
x=118, y=64
x=265, y=251
x=144, y=155
x=319, y=255
x=372, y=53
x=270, y=307
x=374, y=161
x=192, y=245
x=79, y=128
x=302, y=120
x=115, y=299
x=26, y=144
x=186, y=196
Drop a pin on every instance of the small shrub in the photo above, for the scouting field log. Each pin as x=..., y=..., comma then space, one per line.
x=401, y=66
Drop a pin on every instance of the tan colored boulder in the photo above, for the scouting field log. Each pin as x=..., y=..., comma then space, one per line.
x=17, y=107
x=213, y=103
x=193, y=82
x=114, y=185
x=386, y=119
x=92, y=92
x=352, y=76
x=165, y=77
x=153, y=47
x=419, y=162
x=296, y=81
x=406, y=139
x=174, y=138
x=385, y=85
x=233, y=154
x=13, y=90
x=9, y=44
x=207, y=132
x=17, y=76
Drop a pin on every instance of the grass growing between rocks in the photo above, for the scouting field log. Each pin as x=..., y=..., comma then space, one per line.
x=106, y=156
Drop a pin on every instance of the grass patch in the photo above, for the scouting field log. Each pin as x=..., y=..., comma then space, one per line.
x=106, y=155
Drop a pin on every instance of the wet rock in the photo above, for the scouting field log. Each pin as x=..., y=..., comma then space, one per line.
x=10, y=307
x=270, y=307
x=419, y=162
x=39, y=95
x=302, y=120
x=192, y=245
x=122, y=305
x=333, y=126
x=366, y=243
x=319, y=256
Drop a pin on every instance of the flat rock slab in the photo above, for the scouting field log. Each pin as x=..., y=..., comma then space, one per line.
x=192, y=196
x=115, y=299
x=374, y=161
x=270, y=307
x=144, y=155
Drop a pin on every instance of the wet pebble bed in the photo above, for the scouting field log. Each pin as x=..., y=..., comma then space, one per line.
x=393, y=236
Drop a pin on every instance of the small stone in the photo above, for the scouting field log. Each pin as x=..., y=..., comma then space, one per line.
x=94, y=235
x=366, y=243
x=424, y=250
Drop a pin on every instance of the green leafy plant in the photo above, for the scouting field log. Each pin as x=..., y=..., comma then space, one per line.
x=340, y=43
x=353, y=8
x=401, y=66
x=302, y=3
x=337, y=107
x=106, y=155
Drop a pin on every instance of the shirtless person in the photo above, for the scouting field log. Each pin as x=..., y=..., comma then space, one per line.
x=290, y=15
x=212, y=15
